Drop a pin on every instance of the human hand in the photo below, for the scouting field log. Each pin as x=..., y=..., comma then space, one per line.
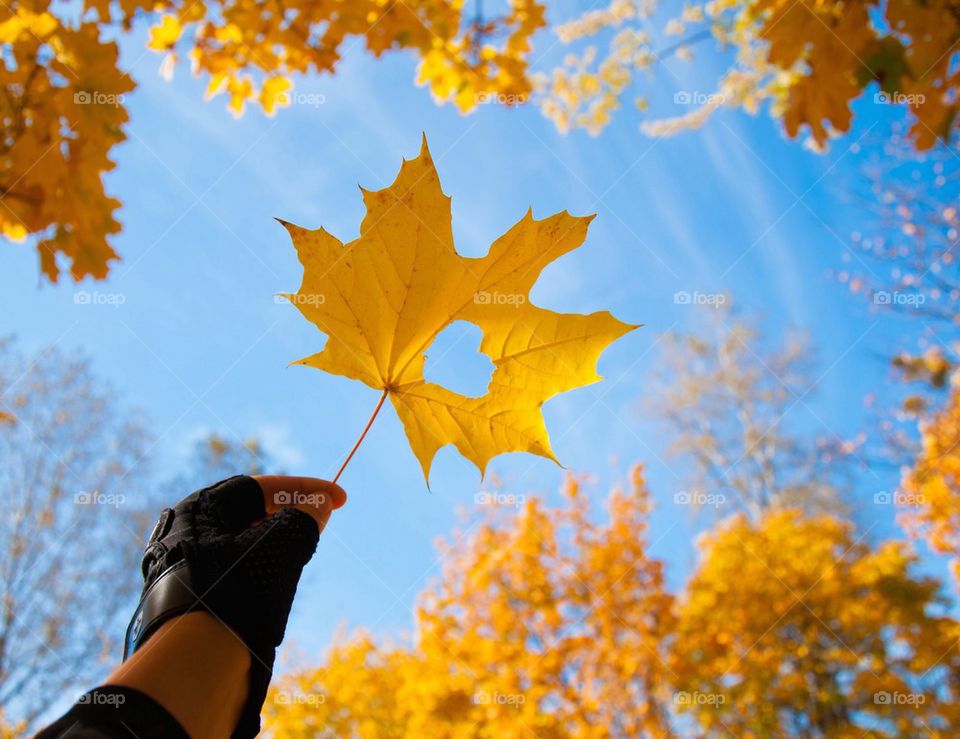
x=235, y=550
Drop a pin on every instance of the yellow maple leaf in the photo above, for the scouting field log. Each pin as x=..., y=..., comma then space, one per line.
x=165, y=35
x=384, y=297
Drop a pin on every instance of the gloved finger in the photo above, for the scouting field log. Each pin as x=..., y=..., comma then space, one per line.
x=285, y=541
x=308, y=494
x=236, y=502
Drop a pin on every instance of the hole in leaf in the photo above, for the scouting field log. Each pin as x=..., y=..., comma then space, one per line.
x=455, y=362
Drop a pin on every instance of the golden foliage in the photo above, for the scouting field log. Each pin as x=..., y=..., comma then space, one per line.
x=542, y=625
x=63, y=105
x=809, y=58
x=383, y=298
x=796, y=625
x=933, y=485
x=62, y=111
x=251, y=49
x=551, y=625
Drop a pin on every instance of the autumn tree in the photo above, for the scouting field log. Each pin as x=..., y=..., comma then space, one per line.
x=932, y=487
x=796, y=626
x=543, y=623
x=63, y=106
x=64, y=102
x=72, y=480
x=808, y=60
x=728, y=398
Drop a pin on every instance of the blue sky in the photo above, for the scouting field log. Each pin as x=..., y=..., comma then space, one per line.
x=200, y=344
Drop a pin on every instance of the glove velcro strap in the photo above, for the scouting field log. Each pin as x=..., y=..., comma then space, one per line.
x=171, y=594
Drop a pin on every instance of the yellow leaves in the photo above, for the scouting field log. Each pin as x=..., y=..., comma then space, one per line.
x=61, y=118
x=790, y=603
x=543, y=623
x=809, y=58
x=64, y=107
x=932, y=488
x=165, y=35
x=547, y=621
x=24, y=21
x=275, y=93
x=384, y=297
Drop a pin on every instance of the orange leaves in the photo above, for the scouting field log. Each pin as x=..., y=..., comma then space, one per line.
x=244, y=46
x=932, y=509
x=543, y=624
x=63, y=115
x=62, y=118
x=782, y=623
x=546, y=622
x=808, y=58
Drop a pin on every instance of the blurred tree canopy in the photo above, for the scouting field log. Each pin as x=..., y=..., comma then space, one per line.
x=71, y=480
x=724, y=394
x=63, y=105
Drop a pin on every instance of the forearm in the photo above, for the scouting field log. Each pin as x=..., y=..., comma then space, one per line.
x=197, y=669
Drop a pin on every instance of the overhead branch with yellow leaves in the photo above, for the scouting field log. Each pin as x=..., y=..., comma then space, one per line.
x=63, y=106
x=808, y=59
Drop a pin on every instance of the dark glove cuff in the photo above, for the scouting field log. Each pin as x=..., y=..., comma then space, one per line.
x=171, y=594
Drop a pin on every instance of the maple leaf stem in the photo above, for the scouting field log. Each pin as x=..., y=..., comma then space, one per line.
x=366, y=428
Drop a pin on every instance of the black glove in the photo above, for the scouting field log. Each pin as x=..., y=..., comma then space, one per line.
x=206, y=554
